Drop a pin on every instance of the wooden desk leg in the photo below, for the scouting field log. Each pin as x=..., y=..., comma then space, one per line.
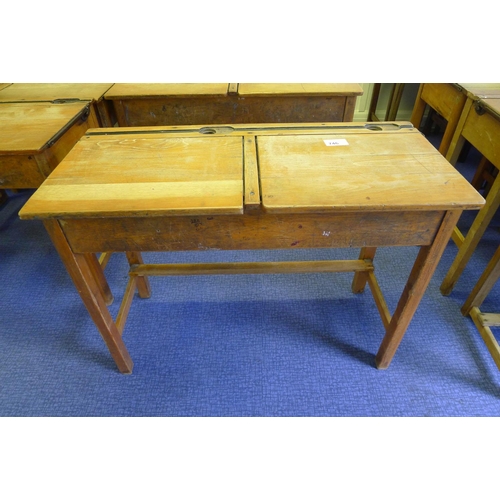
x=420, y=276
x=394, y=102
x=472, y=238
x=449, y=131
x=484, y=285
x=3, y=197
x=484, y=321
x=418, y=108
x=350, y=106
x=91, y=293
x=100, y=279
x=143, y=286
x=372, y=111
x=360, y=278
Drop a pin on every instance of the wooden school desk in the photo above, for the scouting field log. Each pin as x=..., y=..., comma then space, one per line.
x=32, y=92
x=219, y=103
x=480, y=125
x=449, y=99
x=35, y=137
x=250, y=187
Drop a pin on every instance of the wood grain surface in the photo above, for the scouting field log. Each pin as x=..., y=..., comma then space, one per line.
x=53, y=91
x=28, y=127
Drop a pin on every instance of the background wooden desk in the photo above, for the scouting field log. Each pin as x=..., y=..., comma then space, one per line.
x=33, y=92
x=305, y=186
x=449, y=99
x=35, y=137
x=480, y=125
x=219, y=103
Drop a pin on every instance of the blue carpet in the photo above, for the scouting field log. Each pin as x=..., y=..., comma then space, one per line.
x=247, y=345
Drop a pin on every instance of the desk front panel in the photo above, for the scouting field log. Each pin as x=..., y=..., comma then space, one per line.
x=252, y=232
x=482, y=130
x=231, y=109
x=445, y=98
x=134, y=106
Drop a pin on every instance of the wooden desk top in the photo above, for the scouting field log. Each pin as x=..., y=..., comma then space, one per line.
x=53, y=91
x=318, y=89
x=482, y=90
x=3, y=85
x=492, y=105
x=303, y=168
x=29, y=127
x=378, y=171
x=137, y=90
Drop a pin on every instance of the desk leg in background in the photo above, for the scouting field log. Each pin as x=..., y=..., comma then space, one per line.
x=472, y=238
x=471, y=307
x=420, y=276
x=93, y=290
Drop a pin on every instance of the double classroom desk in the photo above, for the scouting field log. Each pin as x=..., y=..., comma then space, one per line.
x=58, y=92
x=480, y=126
x=250, y=187
x=449, y=100
x=34, y=116
x=137, y=105
x=40, y=123
x=36, y=136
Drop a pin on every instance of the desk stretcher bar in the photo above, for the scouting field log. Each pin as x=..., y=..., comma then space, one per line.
x=250, y=187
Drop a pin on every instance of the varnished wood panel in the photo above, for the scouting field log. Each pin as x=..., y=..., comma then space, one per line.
x=483, y=131
x=53, y=91
x=381, y=171
x=146, y=90
x=185, y=104
x=30, y=127
x=231, y=109
x=482, y=90
x=445, y=98
x=122, y=173
x=299, y=89
x=19, y=170
x=252, y=232
x=130, y=175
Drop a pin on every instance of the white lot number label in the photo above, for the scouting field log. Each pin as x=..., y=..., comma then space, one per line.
x=336, y=142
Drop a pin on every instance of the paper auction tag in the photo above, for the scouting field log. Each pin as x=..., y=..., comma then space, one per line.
x=336, y=142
